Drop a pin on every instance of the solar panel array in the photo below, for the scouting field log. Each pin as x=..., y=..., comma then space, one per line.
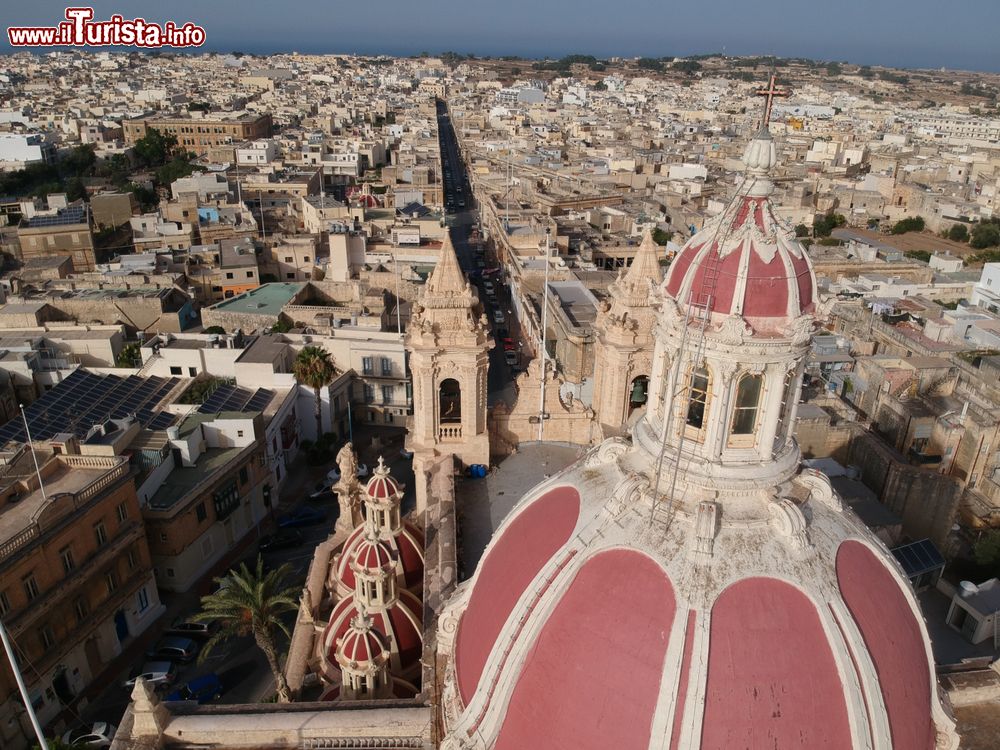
x=235, y=398
x=84, y=399
x=70, y=215
x=918, y=557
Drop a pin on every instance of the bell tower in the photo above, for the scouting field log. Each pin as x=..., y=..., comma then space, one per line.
x=448, y=343
x=625, y=340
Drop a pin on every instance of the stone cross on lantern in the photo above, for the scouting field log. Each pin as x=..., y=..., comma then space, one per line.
x=770, y=93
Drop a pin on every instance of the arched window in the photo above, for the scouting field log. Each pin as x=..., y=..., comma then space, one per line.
x=450, y=394
x=638, y=393
x=747, y=405
x=698, y=386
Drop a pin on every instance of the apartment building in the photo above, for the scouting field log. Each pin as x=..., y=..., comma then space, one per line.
x=62, y=232
x=212, y=488
x=198, y=134
x=76, y=580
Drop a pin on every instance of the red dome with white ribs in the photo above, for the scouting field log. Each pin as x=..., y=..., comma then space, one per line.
x=744, y=262
x=408, y=553
x=361, y=644
x=382, y=486
x=399, y=623
x=523, y=547
x=372, y=555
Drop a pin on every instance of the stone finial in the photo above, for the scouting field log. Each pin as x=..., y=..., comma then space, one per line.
x=149, y=716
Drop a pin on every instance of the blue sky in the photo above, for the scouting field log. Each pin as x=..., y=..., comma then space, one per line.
x=956, y=34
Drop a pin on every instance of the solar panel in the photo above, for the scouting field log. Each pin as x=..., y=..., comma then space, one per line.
x=918, y=557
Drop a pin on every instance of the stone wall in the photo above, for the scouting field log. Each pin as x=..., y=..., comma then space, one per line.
x=821, y=435
x=568, y=421
x=926, y=501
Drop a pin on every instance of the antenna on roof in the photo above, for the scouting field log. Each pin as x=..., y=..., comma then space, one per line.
x=34, y=457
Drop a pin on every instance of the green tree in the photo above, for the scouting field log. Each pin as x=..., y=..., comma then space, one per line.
x=154, y=148
x=958, y=233
x=985, y=235
x=833, y=69
x=215, y=329
x=911, y=224
x=660, y=237
x=80, y=161
x=129, y=356
x=251, y=603
x=801, y=230
x=987, y=551
x=314, y=368
x=823, y=226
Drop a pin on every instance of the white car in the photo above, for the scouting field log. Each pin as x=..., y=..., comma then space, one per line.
x=498, y=316
x=362, y=471
x=156, y=673
x=489, y=288
x=98, y=734
x=332, y=477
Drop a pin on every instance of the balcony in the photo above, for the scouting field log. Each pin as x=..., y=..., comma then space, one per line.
x=450, y=432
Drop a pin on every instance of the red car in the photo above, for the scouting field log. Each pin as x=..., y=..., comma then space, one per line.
x=508, y=345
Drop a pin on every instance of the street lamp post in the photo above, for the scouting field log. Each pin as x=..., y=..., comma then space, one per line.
x=545, y=315
x=23, y=689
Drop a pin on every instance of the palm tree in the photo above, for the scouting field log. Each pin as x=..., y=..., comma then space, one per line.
x=314, y=368
x=251, y=602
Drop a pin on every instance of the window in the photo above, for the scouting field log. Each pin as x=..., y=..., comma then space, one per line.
x=244, y=475
x=748, y=391
x=216, y=288
x=100, y=533
x=369, y=393
x=386, y=366
x=697, y=397
x=289, y=259
x=66, y=555
x=111, y=579
x=133, y=560
x=200, y=513
x=229, y=274
x=80, y=607
x=239, y=433
x=122, y=512
x=4, y=603
x=249, y=274
x=142, y=600
x=305, y=258
x=30, y=587
x=48, y=638
x=170, y=572
x=175, y=370
x=387, y=394
x=368, y=365
x=290, y=275
x=192, y=371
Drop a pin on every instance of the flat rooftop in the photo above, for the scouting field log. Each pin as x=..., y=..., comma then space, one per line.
x=267, y=299
x=180, y=482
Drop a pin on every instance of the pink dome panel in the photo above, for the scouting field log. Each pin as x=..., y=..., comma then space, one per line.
x=895, y=641
x=772, y=679
x=523, y=549
x=767, y=288
x=592, y=679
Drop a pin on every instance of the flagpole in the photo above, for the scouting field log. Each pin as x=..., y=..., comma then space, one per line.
x=23, y=688
x=38, y=473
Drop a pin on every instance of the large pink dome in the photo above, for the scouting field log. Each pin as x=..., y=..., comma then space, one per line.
x=586, y=626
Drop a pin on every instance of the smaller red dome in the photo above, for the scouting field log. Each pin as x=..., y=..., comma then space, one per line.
x=361, y=644
x=399, y=623
x=408, y=548
x=373, y=555
x=382, y=486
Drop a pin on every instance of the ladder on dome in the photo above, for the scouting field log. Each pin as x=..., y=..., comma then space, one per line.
x=699, y=312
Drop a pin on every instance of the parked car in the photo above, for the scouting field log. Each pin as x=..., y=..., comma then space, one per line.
x=498, y=316
x=156, y=673
x=510, y=357
x=323, y=495
x=304, y=516
x=281, y=539
x=362, y=471
x=405, y=453
x=174, y=648
x=489, y=288
x=98, y=734
x=191, y=629
x=332, y=477
x=203, y=689
x=509, y=345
